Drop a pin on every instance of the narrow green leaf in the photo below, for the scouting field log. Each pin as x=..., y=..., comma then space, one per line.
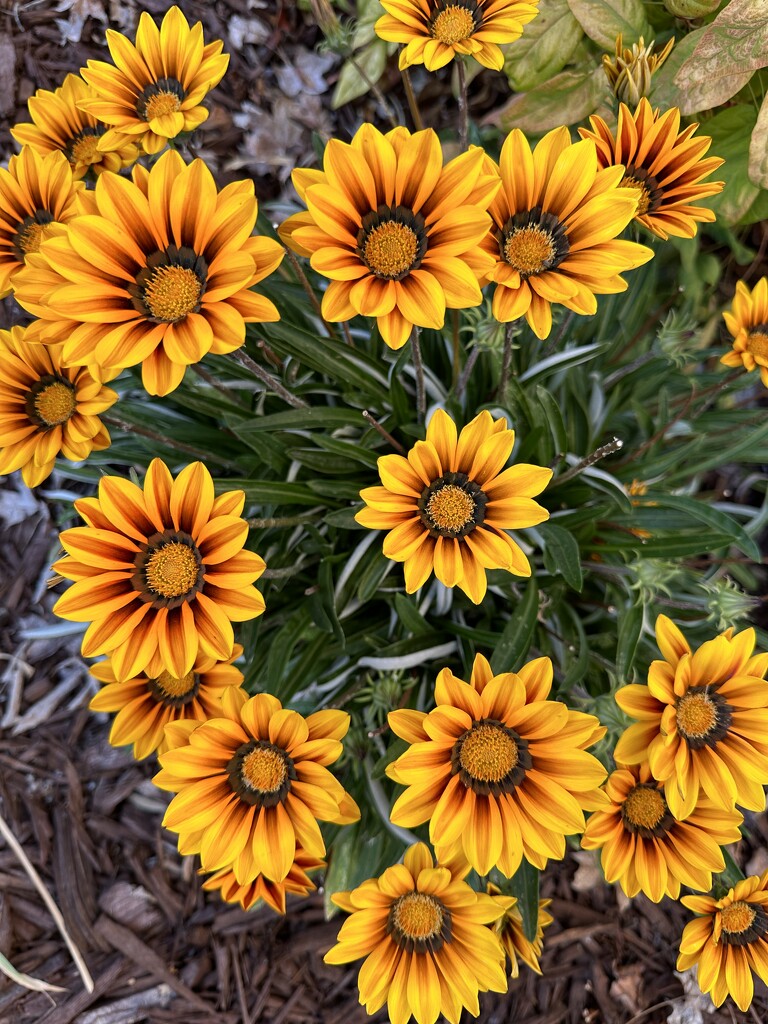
x=410, y=616
x=719, y=521
x=272, y=492
x=301, y=419
x=630, y=627
x=562, y=555
x=525, y=886
x=514, y=642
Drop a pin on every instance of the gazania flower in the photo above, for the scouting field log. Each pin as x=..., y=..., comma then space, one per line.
x=665, y=166
x=145, y=706
x=38, y=194
x=160, y=573
x=156, y=90
x=448, y=504
x=497, y=768
x=729, y=941
x=159, y=276
x=509, y=928
x=646, y=849
x=424, y=934
x=701, y=720
x=297, y=882
x=252, y=785
x=396, y=232
x=555, y=226
x=59, y=124
x=747, y=321
x=46, y=410
x=435, y=31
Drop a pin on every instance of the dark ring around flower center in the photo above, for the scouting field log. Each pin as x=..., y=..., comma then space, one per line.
x=392, y=241
x=648, y=186
x=505, y=764
x=176, y=296
x=645, y=812
x=169, y=569
x=29, y=233
x=453, y=520
x=419, y=922
x=703, y=716
x=88, y=131
x=64, y=402
x=533, y=241
x=756, y=928
x=162, y=87
x=259, y=761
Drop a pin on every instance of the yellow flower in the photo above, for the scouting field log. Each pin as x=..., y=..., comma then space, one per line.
x=555, y=226
x=156, y=90
x=395, y=231
x=436, y=31
x=425, y=936
x=252, y=784
x=497, y=768
x=59, y=124
x=46, y=410
x=747, y=321
x=701, y=720
x=297, y=882
x=146, y=705
x=664, y=166
x=160, y=572
x=159, y=275
x=729, y=941
x=38, y=195
x=646, y=849
x=509, y=928
x=448, y=504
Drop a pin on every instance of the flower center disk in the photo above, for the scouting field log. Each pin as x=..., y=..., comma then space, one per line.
x=743, y=923
x=175, y=691
x=53, y=403
x=172, y=292
x=161, y=97
x=533, y=241
x=490, y=758
x=645, y=811
x=452, y=506
x=419, y=922
x=757, y=342
x=261, y=773
x=650, y=195
x=703, y=717
x=390, y=249
x=84, y=147
x=172, y=570
x=453, y=24
x=31, y=233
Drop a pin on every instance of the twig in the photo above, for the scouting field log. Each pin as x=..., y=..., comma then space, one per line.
x=506, y=361
x=347, y=334
x=210, y=379
x=133, y=428
x=463, y=105
x=263, y=524
x=466, y=373
x=384, y=433
x=561, y=332
x=270, y=354
x=456, y=346
x=388, y=111
x=266, y=378
x=53, y=910
x=600, y=453
x=304, y=280
x=418, y=365
x=413, y=106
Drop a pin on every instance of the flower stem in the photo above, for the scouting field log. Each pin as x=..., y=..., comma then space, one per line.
x=456, y=346
x=466, y=373
x=413, y=105
x=384, y=433
x=600, y=453
x=418, y=365
x=271, y=382
x=463, y=106
x=203, y=374
x=170, y=442
x=299, y=270
x=506, y=360
x=388, y=112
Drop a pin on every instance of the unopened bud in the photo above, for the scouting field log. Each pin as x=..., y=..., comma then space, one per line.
x=630, y=72
x=691, y=8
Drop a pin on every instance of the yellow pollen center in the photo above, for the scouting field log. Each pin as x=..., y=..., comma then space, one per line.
x=696, y=715
x=172, y=570
x=451, y=508
x=264, y=769
x=390, y=249
x=418, y=916
x=172, y=292
x=453, y=25
x=161, y=103
x=644, y=807
x=737, y=917
x=175, y=687
x=30, y=238
x=757, y=345
x=488, y=754
x=56, y=403
x=644, y=199
x=86, y=150
x=529, y=249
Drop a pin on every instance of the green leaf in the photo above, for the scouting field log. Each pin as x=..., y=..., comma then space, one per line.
x=730, y=130
x=525, y=886
x=717, y=520
x=630, y=627
x=561, y=554
x=667, y=92
x=514, y=642
x=410, y=616
x=544, y=48
x=566, y=99
x=351, y=84
x=758, y=148
x=272, y=492
x=300, y=419
x=603, y=20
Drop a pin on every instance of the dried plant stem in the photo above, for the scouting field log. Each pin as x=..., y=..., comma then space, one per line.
x=506, y=361
x=280, y=521
x=418, y=365
x=170, y=442
x=382, y=99
x=46, y=897
x=266, y=378
x=304, y=280
x=561, y=332
x=463, y=105
x=384, y=433
x=600, y=453
x=456, y=346
x=413, y=105
x=466, y=373
x=203, y=374
x=347, y=334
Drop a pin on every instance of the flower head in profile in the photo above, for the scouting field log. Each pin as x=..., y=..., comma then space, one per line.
x=555, y=225
x=38, y=195
x=60, y=124
x=154, y=90
x=159, y=275
x=747, y=321
x=512, y=935
x=701, y=720
x=262, y=889
x=728, y=941
x=144, y=706
x=160, y=572
x=498, y=769
x=646, y=849
x=436, y=31
x=666, y=167
x=448, y=505
x=397, y=232
x=425, y=938
x=45, y=409
x=252, y=785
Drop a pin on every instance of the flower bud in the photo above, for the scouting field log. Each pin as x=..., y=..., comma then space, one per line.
x=629, y=72
x=691, y=8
